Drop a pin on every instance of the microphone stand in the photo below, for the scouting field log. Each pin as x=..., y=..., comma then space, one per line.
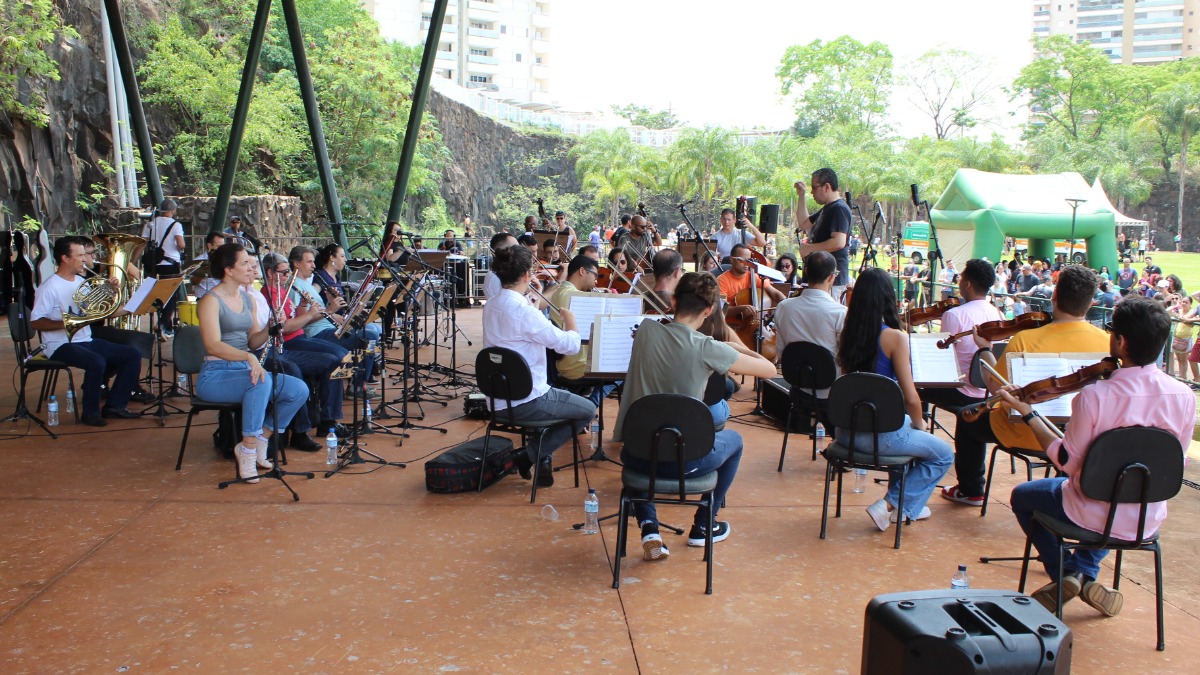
x=935, y=250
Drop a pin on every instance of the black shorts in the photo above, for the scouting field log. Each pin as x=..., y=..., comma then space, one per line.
x=909, y=295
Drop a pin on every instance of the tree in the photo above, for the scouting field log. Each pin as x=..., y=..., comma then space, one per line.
x=641, y=116
x=27, y=27
x=698, y=156
x=838, y=82
x=1179, y=108
x=948, y=85
x=607, y=164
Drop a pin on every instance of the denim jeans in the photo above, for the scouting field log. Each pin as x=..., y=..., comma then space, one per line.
x=315, y=365
x=96, y=358
x=229, y=382
x=352, y=340
x=558, y=404
x=1045, y=495
x=934, y=457
x=724, y=458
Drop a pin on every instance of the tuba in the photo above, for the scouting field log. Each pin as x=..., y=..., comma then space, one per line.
x=96, y=298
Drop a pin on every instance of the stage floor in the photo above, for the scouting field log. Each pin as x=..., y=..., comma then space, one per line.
x=113, y=562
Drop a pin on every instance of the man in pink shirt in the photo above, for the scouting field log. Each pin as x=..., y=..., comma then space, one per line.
x=1138, y=394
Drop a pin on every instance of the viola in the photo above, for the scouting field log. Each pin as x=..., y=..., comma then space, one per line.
x=999, y=330
x=1050, y=388
x=918, y=315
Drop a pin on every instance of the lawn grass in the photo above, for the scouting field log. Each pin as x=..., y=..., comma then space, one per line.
x=1184, y=265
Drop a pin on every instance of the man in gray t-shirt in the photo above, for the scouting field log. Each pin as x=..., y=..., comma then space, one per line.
x=676, y=359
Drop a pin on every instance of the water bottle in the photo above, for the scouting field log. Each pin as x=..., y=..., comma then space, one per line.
x=181, y=382
x=959, y=581
x=591, y=513
x=595, y=434
x=331, y=446
x=71, y=401
x=820, y=432
x=52, y=408
x=860, y=480
x=367, y=413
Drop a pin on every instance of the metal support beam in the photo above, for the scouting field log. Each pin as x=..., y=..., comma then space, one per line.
x=238, y=127
x=420, y=92
x=137, y=115
x=316, y=132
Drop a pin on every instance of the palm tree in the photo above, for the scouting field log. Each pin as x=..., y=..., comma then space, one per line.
x=1179, y=114
x=698, y=155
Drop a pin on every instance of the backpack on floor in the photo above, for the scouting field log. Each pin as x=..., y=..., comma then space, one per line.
x=457, y=469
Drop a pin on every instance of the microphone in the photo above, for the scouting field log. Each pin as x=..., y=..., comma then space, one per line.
x=915, y=197
x=879, y=212
x=361, y=244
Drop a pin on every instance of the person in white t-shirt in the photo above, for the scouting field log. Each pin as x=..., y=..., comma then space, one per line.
x=165, y=231
x=91, y=355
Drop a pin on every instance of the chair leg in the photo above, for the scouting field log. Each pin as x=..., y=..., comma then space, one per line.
x=487, y=437
x=1158, y=594
x=537, y=465
x=825, y=502
x=1025, y=565
x=1117, y=572
x=987, y=484
x=900, y=506
x=187, y=428
x=622, y=533
x=815, y=421
x=1062, y=555
x=708, y=544
x=838, y=512
x=787, y=431
x=578, y=456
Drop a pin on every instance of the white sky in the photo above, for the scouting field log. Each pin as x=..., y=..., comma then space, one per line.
x=698, y=56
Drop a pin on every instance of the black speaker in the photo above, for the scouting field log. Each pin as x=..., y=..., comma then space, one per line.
x=972, y=631
x=768, y=218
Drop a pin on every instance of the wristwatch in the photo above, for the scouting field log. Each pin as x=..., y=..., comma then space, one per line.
x=1030, y=415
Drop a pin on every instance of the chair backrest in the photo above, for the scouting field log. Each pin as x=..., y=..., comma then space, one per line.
x=502, y=374
x=866, y=403
x=19, y=330
x=714, y=391
x=1132, y=465
x=188, y=350
x=662, y=428
x=975, y=374
x=808, y=366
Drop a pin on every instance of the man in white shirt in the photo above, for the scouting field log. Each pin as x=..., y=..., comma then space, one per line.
x=813, y=316
x=727, y=235
x=166, y=232
x=93, y=356
x=509, y=321
x=491, y=283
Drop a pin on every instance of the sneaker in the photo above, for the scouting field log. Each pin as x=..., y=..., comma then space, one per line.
x=879, y=513
x=720, y=533
x=653, y=547
x=925, y=513
x=246, y=459
x=1047, y=595
x=261, y=447
x=954, y=494
x=1106, y=600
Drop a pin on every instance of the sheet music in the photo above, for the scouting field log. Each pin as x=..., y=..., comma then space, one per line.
x=139, y=294
x=587, y=306
x=612, y=342
x=931, y=365
x=1026, y=368
x=768, y=272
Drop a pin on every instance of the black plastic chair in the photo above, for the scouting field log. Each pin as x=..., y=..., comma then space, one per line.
x=22, y=337
x=1130, y=465
x=807, y=367
x=664, y=429
x=864, y=403
x=188, y=352
x=975, y=379
x=503, y=374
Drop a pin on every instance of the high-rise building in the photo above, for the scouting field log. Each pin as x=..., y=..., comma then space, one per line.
x=1129, y=31
x=496, y=46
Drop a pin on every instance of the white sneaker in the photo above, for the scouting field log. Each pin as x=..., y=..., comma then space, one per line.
x=260, y=451
x=246, y=459
x=925, y=513
x=879, y=513
x=653, y=547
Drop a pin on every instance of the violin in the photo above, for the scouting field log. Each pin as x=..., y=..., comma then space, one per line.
x=918, y=315
x=1050, y=388
x=1000, y=330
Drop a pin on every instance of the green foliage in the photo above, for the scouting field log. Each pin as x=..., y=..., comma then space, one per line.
x=27, y=28
x=642, y=116
x=838, y=82
x=518, y=201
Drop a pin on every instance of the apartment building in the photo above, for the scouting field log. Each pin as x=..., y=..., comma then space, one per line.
x=1129, y=31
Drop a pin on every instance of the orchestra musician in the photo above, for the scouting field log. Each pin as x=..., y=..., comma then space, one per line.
x=677, y=359
x=813, y=316
x=231, y=328
x=727, y=235
x=1137, y=394
x=491, y=283
x=164, y=230
x=1068, y=332
x=582, y=273
x=562, y=228
x=202, y=284
x=786, y=265
x=829, y=228
x=639, y=241
x=95, y=357
x=618, y=261
x=739, y=278
x=509, y=321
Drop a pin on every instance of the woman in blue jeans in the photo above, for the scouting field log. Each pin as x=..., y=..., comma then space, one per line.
x=871, y=342
x=230, y=328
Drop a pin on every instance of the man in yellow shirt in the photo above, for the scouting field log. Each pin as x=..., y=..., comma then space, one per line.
x=581, y=279
x=1068, y=332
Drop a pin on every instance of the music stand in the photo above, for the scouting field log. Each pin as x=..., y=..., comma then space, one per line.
x=157, y=292
x=691, y=250
x=430, y=258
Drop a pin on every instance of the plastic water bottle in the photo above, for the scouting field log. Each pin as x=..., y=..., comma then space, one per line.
x=959, y=581
x=331, y=446
x=860, y=480
x=52, y=409
x=595, y=434
x=181, y=382
x=591, y=513
x=71, y=401
x=367, y=413
x=820, y=432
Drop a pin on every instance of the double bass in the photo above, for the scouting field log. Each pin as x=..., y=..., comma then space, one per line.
x=743, y=213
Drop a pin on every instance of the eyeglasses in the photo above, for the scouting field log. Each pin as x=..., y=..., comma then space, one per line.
x=1107, y=326
x=282, y=272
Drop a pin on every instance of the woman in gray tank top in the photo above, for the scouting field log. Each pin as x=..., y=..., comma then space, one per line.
x=231, y=372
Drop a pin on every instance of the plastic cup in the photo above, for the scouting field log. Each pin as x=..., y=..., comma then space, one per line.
x=549, y=512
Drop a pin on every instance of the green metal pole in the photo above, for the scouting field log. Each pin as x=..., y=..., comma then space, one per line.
x=238, y=128
x=316, y=132
x=137, y=116
x=420, y=91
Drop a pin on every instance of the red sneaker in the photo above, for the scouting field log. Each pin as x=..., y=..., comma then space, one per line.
x=956, y=495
